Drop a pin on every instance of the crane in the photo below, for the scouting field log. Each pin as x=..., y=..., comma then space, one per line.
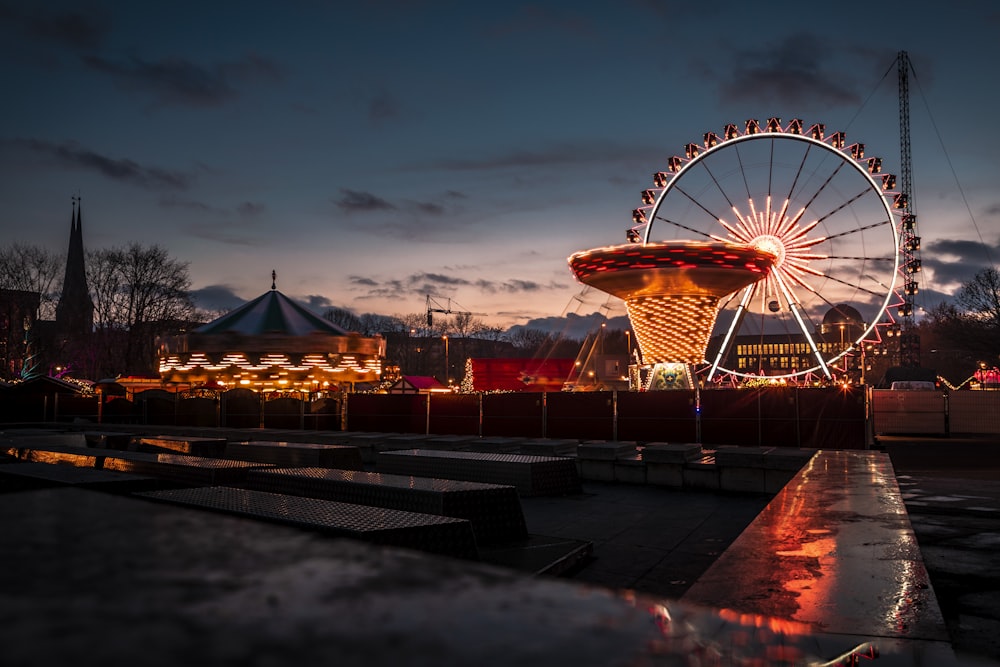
x=434, y=307
x=909, y=340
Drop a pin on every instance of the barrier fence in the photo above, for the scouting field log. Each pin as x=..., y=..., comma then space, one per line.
x=773, y=416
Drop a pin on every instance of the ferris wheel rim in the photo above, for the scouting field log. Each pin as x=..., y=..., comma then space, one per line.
x=835, y=146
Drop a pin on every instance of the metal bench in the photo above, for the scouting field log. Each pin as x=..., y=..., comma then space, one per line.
x=411, y=530
x=296, y=454
x=178, y=468
x=530, y=475
x=182, y=444
x=182, y=469
x=494, y=510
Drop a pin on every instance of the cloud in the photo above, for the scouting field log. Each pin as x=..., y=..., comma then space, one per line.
x=318, y=302
x=429, y=208
x=356, y=201
x=586, y=152
x=952, y=262
x=515, y=285
x=73, y=30
x=216, y=298
x=182, y=82
x=792, y=73
x=572, y=325
x=187, y=204
x=384, y=107
x=364, y=282
x=437, y=279
x=250, y=209
x=543, y=21
x=70, y=154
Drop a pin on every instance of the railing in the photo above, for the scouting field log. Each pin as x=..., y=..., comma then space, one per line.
x=774, y=416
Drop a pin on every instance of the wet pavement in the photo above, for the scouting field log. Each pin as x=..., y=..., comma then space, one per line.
x=951, y=488
x=96, y=579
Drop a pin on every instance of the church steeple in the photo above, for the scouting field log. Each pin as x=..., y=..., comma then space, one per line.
x=75, y=310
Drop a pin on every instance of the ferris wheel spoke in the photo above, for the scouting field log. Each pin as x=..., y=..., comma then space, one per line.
x=843, y=205
x=852, y=285
x=794, y=307
x=859, y=229
x=685, y=227
x=825, y=184
x=860, y=258
x=697, y=203
x=741, y=310
x=798, y=172
x=718, y=185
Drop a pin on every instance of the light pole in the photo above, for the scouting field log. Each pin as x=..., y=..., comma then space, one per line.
x=447, y=370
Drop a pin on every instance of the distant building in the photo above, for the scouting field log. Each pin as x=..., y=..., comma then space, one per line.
x=780, y=354
x=418, y=384
x=18, y=311
x=56, y=347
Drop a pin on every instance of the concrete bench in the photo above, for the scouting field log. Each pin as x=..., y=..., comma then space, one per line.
x=833, y=551
x=665, y=462
x=497, y=444
x=178, y=468
x=548, y=446
x=412, y=530
x=596, y=459
x=37, y=475
x=56, y=454
x=195, y=446
x=296, y=454
x=107, y=439
x=530, y=475
x=494, y=510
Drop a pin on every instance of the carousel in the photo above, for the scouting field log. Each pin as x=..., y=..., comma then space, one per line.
x=271, y=343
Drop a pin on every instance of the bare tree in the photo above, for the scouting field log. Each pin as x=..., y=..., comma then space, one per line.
x=138, y=292
x=32, y=269
x=980, y=297
x=344, y=319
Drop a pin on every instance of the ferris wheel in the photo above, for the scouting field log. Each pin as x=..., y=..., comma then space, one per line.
x=821, y=206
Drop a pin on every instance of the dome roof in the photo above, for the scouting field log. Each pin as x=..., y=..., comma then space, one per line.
x=842, y=314
x=271, y=313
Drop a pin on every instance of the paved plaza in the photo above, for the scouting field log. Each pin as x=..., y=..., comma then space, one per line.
x=95, y=578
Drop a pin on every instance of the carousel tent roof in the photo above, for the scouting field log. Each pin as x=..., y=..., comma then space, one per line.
x=271, y=313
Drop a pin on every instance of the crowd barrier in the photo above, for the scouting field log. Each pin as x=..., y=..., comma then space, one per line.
x=774, y=416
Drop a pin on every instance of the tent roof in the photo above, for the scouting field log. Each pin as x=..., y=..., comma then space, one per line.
x=271, y=313
x=421, y=381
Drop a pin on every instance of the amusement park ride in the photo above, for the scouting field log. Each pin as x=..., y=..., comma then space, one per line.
x=755, y=234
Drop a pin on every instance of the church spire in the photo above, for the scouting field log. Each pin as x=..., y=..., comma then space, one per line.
x=75, y=310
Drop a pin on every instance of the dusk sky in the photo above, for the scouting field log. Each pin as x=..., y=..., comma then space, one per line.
x=372, y=153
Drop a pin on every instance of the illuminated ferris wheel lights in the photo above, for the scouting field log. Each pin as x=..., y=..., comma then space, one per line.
x=888, y=182
x=817, y=130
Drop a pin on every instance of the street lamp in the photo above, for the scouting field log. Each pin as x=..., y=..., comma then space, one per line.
x=447, y=371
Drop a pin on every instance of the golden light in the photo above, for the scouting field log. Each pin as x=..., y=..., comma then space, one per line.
x=672, y=289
